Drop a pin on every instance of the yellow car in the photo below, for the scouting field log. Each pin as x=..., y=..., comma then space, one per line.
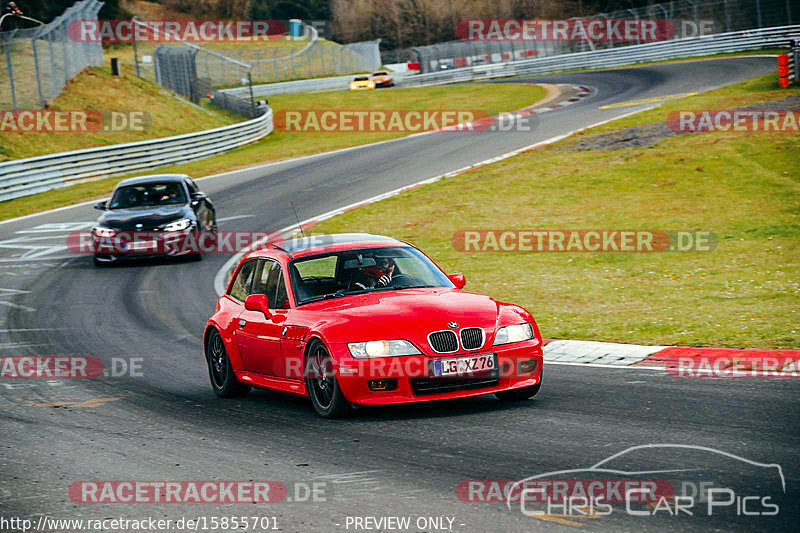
x=362, y=83
x=382, y=79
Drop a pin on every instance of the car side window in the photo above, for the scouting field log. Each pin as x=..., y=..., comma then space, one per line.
x=192, y=186
x=269, y=281
x=241, y=287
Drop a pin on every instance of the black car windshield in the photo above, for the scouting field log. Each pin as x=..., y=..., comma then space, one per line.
x=332, y=275
x=147, y=195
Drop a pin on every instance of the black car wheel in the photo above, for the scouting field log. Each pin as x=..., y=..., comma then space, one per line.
x=223, y=380
x=321, y=383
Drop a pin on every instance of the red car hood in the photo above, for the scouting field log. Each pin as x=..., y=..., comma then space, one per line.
x=404, y=314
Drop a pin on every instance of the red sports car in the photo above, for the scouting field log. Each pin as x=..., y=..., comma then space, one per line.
x=356, y=319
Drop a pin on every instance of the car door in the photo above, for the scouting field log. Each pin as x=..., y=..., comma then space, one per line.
x=258, y=337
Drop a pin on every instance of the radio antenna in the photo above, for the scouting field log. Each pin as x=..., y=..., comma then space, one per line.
x=299, y=226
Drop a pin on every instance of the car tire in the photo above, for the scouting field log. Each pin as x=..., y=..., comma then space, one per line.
x=518, y=395
x=326, y=396
x=220, y=371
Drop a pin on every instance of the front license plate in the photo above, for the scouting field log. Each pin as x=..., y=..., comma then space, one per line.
x=141, y=245
x=464, y=366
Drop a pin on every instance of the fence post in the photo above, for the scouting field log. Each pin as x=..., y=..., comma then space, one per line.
x=38, y=74
x=7, y=53
x=52, y=61
x=758, y=13
x=135, y=51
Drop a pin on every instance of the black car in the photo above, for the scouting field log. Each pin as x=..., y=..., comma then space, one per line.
x=155, y=207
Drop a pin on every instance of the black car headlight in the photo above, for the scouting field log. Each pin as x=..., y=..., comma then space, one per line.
x=179, y=225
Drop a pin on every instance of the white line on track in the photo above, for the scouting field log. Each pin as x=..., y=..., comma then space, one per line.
x=17, y=306
x=598, y=365
x=235, y=217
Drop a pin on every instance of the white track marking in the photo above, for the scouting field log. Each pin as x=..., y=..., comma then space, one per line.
x=617, y=367
x=17, y=306
x=9, y=292
x=604, y=353
x=235, y=217
x=59, y=227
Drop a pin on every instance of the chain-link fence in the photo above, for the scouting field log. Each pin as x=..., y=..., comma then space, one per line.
x=688, y=18
x=288, y=58
x=38, y=62
x=196, y=72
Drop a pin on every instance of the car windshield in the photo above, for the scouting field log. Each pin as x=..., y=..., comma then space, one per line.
x=361, y=78
x=333, y=275
x=147, y=195
x=379, y=74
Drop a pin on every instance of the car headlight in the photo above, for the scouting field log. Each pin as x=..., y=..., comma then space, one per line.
x=179, y=225
x=101, y=231
x=393, y=348
x=371, y=85
x=353, y=86
x=518, y=333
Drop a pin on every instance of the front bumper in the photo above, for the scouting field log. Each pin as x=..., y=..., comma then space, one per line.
x=142, y=245
x=412, y=380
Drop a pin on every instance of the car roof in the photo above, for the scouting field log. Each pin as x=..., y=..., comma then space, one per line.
x=153, y=178
x=330, y=243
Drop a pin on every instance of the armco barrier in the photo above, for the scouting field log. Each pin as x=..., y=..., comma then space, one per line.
x=737, y=41
x=23, y=177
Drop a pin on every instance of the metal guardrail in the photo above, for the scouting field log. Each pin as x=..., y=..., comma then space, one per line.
x=737, y=41
x=299, y=86
x=23, y=177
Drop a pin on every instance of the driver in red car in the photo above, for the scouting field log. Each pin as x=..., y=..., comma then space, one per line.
x=379, y=275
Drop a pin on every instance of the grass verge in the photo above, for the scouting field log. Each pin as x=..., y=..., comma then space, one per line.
x=284, y=145
x=745, y=187
x=97, y=89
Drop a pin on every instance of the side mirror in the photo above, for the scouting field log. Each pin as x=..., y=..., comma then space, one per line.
x=258, y=302
x=198, y=197
x=458, y=280
x=101, y=205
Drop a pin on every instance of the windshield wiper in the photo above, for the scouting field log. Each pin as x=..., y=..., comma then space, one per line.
x=323, y=297
x=401, y=287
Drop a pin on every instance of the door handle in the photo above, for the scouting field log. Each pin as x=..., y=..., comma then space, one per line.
x=242, y=323
x=283, y=333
